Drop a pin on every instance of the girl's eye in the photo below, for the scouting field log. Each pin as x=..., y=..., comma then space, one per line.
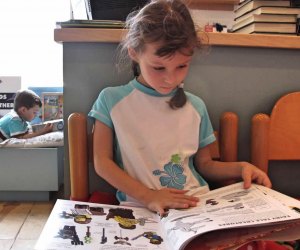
x=182, y=66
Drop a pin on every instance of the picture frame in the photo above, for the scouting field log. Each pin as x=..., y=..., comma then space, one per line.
x=52, y=106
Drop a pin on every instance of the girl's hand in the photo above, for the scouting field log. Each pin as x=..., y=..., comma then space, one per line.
x=250, y=173
x=161, y=200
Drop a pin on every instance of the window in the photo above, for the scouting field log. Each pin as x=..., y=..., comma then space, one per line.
x=27, y=46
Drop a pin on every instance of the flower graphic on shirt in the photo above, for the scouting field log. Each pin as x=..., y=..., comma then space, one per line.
x=172, y=176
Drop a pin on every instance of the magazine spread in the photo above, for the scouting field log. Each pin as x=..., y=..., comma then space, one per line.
x=255, y=212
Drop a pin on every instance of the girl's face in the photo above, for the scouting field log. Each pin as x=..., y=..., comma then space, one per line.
x=163, y=74
x=29, y=114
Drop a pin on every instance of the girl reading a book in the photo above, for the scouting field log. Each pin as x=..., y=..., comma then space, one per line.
x=150, y=136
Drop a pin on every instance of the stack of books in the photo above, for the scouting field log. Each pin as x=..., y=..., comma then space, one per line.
x=105, y=24
x=266, y=17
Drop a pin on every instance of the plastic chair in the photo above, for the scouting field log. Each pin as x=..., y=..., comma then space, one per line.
x=277, y=136
x=81, y=153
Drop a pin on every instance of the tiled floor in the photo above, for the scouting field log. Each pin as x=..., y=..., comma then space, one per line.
x=21, y=223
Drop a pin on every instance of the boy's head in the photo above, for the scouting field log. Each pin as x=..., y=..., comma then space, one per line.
x=27, y=104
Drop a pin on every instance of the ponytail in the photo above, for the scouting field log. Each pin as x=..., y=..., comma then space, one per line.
x=134, y=67
x=179, y=99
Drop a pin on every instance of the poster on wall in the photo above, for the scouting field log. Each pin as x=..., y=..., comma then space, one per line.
x=9, y=85
x=52, y=106
x=39, y=91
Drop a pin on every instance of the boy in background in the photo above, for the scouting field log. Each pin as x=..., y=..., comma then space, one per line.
x=15, y=124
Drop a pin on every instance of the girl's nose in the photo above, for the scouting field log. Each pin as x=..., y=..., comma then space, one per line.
x=169, y=78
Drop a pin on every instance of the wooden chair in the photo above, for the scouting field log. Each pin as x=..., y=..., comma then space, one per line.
x=277, y=136
x=80, y=153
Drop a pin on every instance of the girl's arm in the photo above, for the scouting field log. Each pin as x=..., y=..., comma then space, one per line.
x=156, y=200
x=220, y=171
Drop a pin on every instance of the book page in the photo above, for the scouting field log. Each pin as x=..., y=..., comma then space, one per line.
x=229, y=207
x=224, y=218
x=236, y=237
x=80, y=225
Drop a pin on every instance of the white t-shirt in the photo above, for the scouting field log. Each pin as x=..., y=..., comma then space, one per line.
x=154, y=143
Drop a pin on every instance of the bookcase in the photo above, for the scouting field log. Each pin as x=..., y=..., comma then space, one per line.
x=214, y=39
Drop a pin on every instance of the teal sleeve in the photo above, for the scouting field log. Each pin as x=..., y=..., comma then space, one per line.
x=17, y=127
x=206, y=132
x=106, y=101
x=101, y=109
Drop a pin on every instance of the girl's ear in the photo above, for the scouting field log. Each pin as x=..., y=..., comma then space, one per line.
x=132, y=54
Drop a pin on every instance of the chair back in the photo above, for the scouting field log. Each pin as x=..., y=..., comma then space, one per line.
x=277, y=136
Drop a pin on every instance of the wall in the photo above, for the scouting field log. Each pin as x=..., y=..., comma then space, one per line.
x=243, y=80
x=202, y=17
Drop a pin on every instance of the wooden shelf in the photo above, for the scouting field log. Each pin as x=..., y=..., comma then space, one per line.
x=215, y=39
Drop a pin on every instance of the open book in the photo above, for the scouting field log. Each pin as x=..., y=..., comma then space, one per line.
x=58, y=125
x=225, y=218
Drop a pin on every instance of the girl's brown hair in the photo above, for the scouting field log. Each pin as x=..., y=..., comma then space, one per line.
x=168, y=22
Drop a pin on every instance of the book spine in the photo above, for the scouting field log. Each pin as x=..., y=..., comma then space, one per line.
x=298, y=26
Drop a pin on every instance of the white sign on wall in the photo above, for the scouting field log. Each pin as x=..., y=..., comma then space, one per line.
x=9, y=85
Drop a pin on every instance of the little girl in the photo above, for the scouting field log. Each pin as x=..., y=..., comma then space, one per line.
x=150, y=136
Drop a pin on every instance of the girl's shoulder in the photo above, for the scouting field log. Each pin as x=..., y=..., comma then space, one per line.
x=116, y=91
x=112, y=95
x=194, y=99
x=197, y=103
